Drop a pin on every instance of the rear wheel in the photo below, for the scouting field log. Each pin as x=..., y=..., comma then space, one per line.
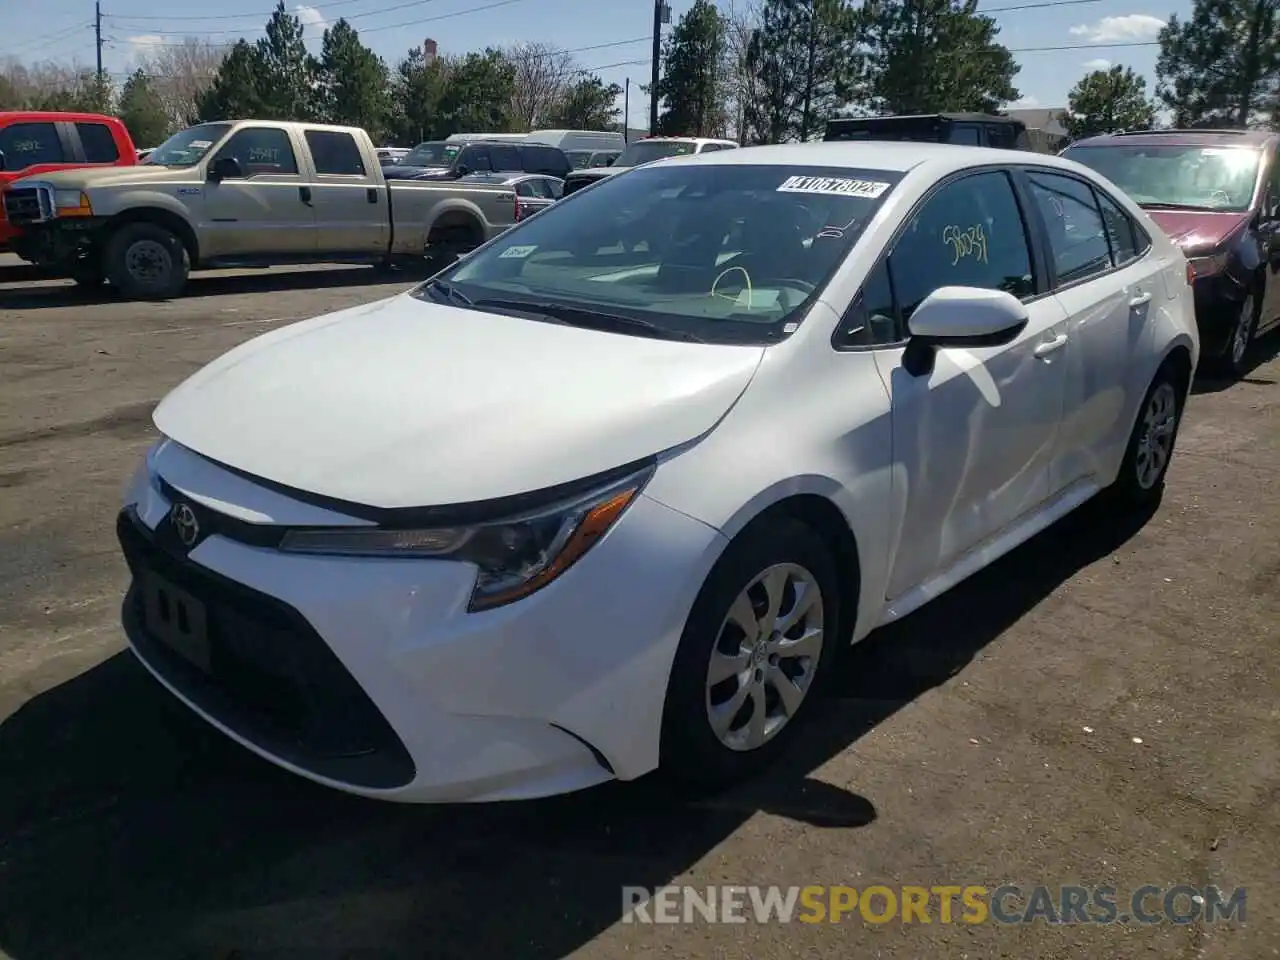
x=759, y=642
x=1150, y=450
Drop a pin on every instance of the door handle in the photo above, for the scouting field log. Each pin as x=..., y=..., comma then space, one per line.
x=1051, y=346
x=372, y=194
x=1141, y=299
x=304, y=193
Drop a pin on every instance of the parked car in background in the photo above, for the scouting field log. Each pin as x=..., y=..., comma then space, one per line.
x=244, y=193
x=644, y=151
x=592, y=159
x=470, y=137
x=969, y=129
x=1217, y=194
x=533, y=191
x=574, y=140
x=449, y=161
x=390, y=155
x=577, y=507
x=34, y=141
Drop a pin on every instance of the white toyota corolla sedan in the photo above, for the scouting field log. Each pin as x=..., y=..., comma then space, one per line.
x=610, y=492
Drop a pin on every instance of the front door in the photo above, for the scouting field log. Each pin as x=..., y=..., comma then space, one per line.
x=1269, y=241
x=265, y=214
x=972, y=440
x=350, y=205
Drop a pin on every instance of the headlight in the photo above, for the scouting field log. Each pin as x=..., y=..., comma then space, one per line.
x=515, y=557
x=72, y=203
x=1209, y=265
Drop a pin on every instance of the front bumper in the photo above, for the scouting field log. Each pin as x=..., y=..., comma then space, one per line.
x=370, y=676
x=57, y=243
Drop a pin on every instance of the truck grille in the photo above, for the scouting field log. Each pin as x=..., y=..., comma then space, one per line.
x=28, y=205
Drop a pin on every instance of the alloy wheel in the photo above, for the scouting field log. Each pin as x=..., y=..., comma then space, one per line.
x=765, y=656
x=1240, y=336
x=1155, y=444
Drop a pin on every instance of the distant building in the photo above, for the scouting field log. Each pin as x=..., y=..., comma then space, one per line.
x=1046, y=127
x=430, y=50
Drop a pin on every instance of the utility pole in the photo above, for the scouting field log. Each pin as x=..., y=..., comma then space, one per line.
x=626, y=110
x=97, y=35
x=661, y=14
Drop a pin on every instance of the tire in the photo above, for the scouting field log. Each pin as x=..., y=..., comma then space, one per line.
x=146, y=261
x=692, y=751
x=1233, y=362
x=1151, y=444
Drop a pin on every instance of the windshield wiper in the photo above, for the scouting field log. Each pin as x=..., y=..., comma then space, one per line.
x=1161, y=205
x=590, y=319
x=448, y=292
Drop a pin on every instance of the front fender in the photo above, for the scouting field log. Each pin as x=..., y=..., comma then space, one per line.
x=117, y=200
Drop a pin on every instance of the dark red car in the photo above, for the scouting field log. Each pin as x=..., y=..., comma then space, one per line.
x=1217, y=194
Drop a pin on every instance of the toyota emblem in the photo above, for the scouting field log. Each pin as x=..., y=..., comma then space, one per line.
x=185, y=523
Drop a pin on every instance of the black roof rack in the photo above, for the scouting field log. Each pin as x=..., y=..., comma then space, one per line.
x=1183, y=132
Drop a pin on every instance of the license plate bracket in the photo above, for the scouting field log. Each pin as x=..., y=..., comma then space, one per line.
x=177, y=619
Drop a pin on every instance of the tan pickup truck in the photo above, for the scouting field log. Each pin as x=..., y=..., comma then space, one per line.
x=244, y=193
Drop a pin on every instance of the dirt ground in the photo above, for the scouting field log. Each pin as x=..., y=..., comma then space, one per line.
x=954, y=751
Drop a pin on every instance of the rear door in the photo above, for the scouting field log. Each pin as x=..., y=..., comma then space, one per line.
x=349, y=205
x=264, y=213
x=1107, y=279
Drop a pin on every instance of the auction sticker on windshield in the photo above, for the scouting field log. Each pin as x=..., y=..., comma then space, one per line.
x=516, y=253
x=834, y=186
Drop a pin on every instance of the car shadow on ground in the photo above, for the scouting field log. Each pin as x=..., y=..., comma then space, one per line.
x=129, y=828
x=1263, y=351
x=62, y=294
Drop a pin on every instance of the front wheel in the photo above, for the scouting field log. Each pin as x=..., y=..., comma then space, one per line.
x=1233, y=361
x=1150, y=449
x=145, y=261
x=759, y=642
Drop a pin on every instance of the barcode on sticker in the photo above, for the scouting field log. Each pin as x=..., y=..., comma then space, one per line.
x=834, y=186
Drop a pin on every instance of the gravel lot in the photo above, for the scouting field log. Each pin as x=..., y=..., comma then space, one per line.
x=954, y=751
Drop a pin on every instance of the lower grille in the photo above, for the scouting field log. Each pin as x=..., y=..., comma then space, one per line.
x=26, y=205
x=269, y=676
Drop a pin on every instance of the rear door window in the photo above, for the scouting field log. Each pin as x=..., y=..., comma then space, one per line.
x=551, y=161
x=98, y=143
x=26, y=144
x=335, y=154
x=965, y=133
x=1077, y=235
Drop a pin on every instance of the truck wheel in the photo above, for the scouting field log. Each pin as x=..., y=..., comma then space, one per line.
x=145, y=261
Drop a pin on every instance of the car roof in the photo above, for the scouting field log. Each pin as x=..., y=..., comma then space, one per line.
x=1180, y=138
x=888, y=155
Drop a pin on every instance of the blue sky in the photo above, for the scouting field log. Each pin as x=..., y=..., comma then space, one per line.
x=616, y=29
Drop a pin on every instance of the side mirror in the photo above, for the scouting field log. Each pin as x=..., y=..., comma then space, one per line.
x=961, y=317
x=1, y=159
x=463, y=170
x=226, y=168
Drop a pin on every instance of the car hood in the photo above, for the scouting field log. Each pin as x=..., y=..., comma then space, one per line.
x=87, y=178
x=1194, y=230
x=406, y=403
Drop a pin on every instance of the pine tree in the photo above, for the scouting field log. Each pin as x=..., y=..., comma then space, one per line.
x=287, y=81
x=353, y=81
x=143, y=111
x=930, y=56
x=235, y=93
x=1106, y=101
x=805, y=57
x=1222, y=66
x=689, y=87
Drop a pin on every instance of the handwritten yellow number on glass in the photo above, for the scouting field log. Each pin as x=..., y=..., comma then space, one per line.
x=966, y=242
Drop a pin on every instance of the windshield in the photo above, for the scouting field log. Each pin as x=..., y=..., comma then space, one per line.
x=726, y=253
x=1193, y=177
x=438, y=154
x=188, y=147
x=646, y=151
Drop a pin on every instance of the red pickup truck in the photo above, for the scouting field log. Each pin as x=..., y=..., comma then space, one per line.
x=35, y=141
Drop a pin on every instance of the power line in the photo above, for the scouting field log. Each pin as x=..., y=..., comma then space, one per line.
x=314, y=6
x=240, y=30
x=50, y=39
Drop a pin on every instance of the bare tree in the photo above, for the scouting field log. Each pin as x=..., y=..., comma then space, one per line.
x=741, y=18
x=543, y=74
x=181, y=73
